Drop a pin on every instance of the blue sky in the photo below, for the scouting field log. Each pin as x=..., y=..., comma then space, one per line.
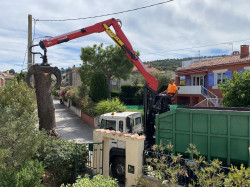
x=170, y=30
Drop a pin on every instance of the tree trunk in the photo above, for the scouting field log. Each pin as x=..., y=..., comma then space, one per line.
x=46, y=109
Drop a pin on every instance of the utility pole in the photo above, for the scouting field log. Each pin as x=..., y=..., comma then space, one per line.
x=29, y=40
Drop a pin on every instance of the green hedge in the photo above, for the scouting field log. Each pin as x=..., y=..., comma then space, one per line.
x=115, y=93
x=131, y=95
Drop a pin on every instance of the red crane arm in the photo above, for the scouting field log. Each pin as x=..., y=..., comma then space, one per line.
x=119, y=38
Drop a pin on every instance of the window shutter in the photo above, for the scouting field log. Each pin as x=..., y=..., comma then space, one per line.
x=205, y=81
x=188, y=80
x=228, y=74
x=210, y=79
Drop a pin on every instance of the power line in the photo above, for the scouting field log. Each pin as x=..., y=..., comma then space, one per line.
x=103, y=15
x=194, y=47
x=24, y=57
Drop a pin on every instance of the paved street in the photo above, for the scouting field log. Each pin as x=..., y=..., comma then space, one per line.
x=70, y=126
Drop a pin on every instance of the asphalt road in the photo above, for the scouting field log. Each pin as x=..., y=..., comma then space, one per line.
x=70, y=126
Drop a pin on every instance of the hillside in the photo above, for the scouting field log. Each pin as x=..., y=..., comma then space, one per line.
x=173, y=64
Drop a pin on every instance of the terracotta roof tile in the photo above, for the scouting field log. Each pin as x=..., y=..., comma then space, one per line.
x=149, y=68
x=8, y=75
x=228, y=60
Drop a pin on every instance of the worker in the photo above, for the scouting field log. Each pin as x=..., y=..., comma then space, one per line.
x=172, y=90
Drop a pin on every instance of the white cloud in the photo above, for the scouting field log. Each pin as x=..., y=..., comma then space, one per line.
x=176, y=25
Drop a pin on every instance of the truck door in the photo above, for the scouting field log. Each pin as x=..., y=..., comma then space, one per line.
x=121, y=127
x=129, y=124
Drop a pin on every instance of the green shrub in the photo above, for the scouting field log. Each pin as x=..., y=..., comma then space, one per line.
x=131, y=95
x=87, y=105
x=19, y=138
x=109, y=106
x=238, y=177
x=59, y=156
x=54, y=92
x=98, y=87
x=96, y=181
x=115, y=93
x=29, y=175
x=236, y=91
x=169, y=168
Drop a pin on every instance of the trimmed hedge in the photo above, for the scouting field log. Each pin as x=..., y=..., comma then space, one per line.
x=131, y=95
x=115, y=93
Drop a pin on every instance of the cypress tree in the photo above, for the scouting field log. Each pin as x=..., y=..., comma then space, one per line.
x=98, y=87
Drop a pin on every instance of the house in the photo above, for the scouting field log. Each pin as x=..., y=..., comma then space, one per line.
x=118, y=83
x=72, y=78
x=75, y=77
x=5, y=77
x=202, y=78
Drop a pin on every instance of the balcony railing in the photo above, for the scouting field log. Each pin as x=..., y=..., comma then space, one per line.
x=189, y=90
x=210, y=97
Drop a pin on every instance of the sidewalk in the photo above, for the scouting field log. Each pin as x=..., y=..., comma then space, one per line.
x=70, y=126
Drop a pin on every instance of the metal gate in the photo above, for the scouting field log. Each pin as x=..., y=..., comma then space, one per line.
x=94, y=158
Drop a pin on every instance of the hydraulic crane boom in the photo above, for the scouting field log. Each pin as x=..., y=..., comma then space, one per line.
x=119, y=38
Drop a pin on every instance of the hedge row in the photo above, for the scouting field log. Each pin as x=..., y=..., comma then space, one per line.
x=129, y=95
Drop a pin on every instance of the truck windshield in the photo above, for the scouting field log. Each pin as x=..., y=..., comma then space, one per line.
x=108, y=124
x=138, y=121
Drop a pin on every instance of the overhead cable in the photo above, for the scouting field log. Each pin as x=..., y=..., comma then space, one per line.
x=109, y=14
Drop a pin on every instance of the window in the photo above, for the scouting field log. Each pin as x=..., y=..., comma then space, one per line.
x=108, y=124
x=221, y=77
x=121, y=126
x=198, y=80
x=202, y=80
x=194, y=81
x=138, y=121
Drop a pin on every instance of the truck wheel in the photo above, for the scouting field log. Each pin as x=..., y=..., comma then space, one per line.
x=118, y=169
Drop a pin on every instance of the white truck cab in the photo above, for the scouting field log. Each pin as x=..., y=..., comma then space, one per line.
x=126, y=122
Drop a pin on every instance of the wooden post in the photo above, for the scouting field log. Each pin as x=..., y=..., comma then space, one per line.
x=29, y=62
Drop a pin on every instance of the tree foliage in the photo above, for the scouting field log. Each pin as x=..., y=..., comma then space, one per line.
x=19, y=138
x=112, y=61
x=98, y=87
x=163, y=80
x=236, y=91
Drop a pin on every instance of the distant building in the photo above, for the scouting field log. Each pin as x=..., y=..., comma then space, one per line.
x=202, y=78
x=76, y=79
x=5, y=77
x=116, y=84
x=71, y=78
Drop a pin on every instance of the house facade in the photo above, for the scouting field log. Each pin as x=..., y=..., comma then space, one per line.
x=116, y=84
x=5, y=77
x=72, y=78
x=202, y=78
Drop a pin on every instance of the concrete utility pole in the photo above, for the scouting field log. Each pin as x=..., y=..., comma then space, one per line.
x=29, y=40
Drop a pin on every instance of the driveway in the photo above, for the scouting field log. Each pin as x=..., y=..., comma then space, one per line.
x=70, y=126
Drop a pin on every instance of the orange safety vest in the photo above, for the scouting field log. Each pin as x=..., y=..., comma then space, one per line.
x=172, y=88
